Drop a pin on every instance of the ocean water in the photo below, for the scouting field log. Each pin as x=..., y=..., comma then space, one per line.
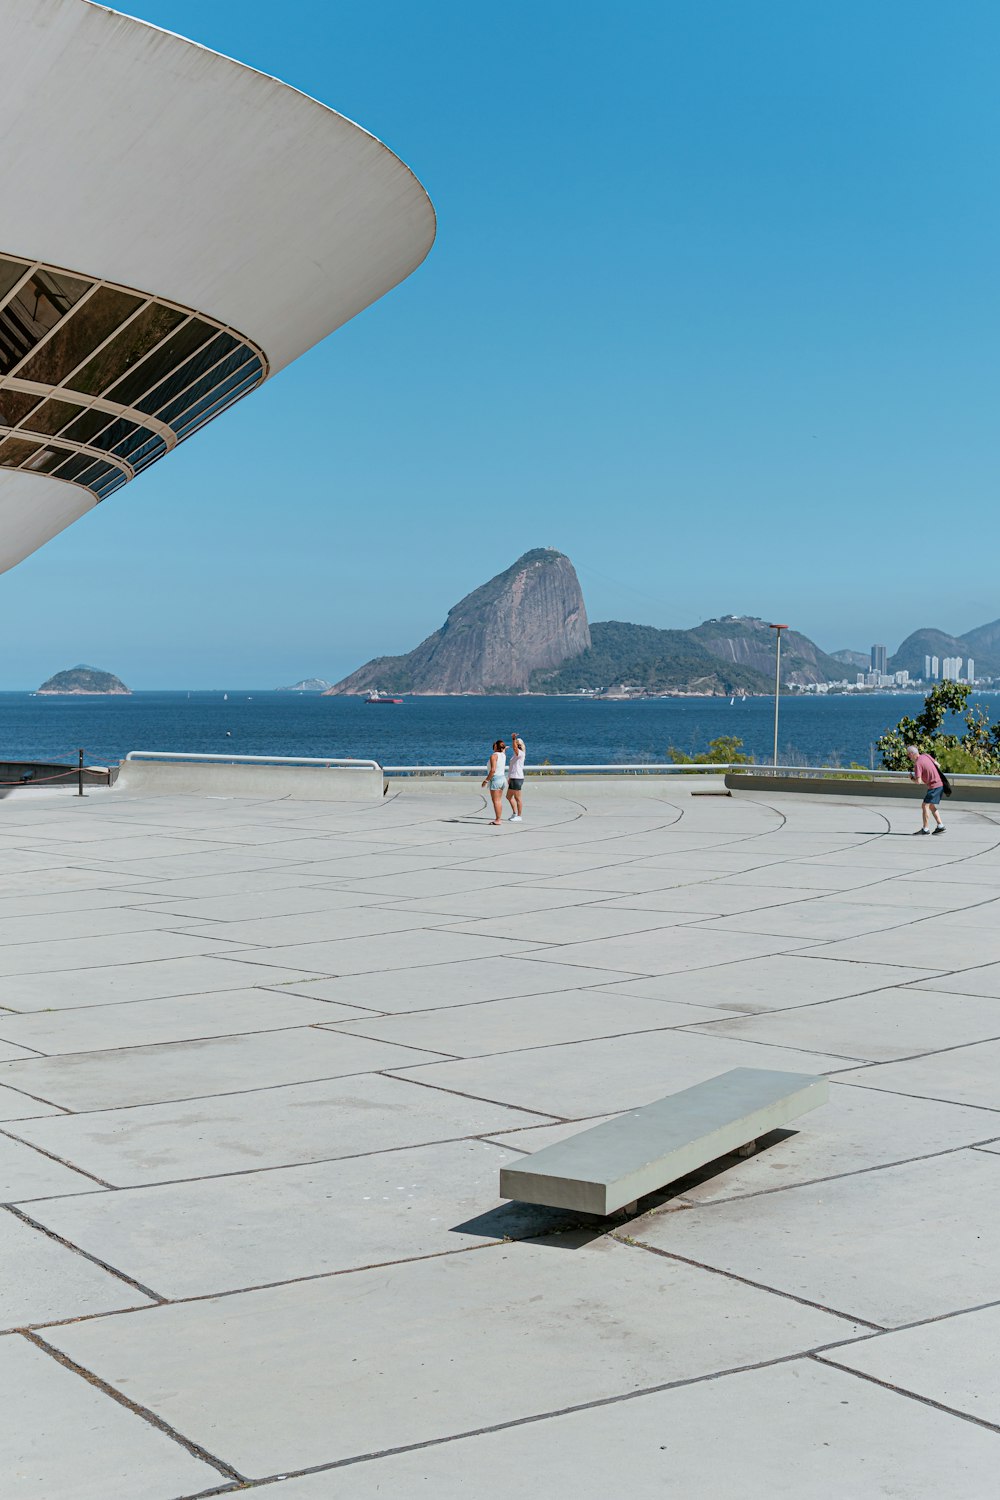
x=446, y=731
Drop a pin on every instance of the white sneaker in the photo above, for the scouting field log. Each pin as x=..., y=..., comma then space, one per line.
x=516, y=818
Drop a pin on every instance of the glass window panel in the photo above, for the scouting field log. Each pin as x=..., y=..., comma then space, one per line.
x=121, y=428
x=28, y=316
x=147, y=454
x=107, y=485
x=143, y=333
x=51, y=416
x=170, y=388
x=161, y=362
x=215, y=405
x=224, y=375
x=11, y=272
x=46, y=459
x=14, y=405
x=88, y=425
x=134, y=442
x=13, y=452
x=89, y=325
x=74, y=466
x=63, y=291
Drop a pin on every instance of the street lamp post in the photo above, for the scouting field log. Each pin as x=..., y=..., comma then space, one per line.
x=777, y=684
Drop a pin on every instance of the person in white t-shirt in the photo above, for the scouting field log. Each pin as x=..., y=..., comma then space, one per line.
x=515, y=777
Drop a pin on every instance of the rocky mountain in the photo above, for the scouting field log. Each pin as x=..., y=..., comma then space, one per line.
x=307, y=685
x=983, y=644
x=855, y=661
x=529, y=618
x=928, y=642
x=84, y=680
x=657, y=661
x=744, y=640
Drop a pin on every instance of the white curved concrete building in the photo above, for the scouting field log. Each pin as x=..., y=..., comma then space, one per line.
x=176, y=227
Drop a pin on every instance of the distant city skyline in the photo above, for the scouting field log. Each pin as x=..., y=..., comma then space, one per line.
x=712, y=309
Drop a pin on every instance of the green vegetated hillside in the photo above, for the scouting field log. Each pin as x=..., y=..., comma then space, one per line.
x=982, y=644
x=657, y=660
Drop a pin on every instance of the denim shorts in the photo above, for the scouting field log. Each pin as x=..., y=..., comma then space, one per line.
x=496, y=783
x=934, y=795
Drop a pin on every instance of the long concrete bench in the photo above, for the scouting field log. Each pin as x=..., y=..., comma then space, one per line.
x=612, y=1165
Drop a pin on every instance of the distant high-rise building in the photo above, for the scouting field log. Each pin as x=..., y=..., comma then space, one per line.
x=901, y=678
x=970, y=675
x=879, y=657
x=934, y=669
x=951, y=668
x=927, y=669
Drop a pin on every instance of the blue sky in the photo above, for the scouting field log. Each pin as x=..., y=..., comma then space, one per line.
x=713, y=309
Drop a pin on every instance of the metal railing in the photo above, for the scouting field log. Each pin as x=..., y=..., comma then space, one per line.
x=254, y=760
x=704, y=768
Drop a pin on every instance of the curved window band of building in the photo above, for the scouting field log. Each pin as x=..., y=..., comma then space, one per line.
x=98, y=381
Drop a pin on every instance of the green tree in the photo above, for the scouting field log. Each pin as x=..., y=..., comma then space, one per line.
x=978, y=750
x=724, y=751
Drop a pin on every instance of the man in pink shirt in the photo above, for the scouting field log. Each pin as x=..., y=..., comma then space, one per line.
x=927, y=773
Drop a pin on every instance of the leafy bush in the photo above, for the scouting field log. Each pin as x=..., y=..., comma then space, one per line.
x=721, y=752
x=977, y=751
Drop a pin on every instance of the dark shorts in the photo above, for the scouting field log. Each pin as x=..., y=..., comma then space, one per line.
x=515, y=783
x=934, y=795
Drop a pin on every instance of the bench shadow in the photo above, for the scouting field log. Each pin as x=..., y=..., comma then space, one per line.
x=562, y=1229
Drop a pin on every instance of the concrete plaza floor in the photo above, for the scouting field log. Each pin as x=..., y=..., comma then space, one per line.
x=261, y=1063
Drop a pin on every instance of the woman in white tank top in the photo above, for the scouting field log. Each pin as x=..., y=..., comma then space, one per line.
x=515, y=780
x=495, y=776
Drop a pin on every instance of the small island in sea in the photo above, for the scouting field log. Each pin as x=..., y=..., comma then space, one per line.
x=83, y=681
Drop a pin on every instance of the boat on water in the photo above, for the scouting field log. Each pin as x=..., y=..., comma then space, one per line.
x=376, y=697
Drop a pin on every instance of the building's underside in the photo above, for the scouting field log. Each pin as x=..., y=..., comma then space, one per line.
x=176, y=228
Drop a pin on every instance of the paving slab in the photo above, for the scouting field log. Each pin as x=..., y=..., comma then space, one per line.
x=264, y=1128
x=525, y=1021
x=952, y=1361
x=26, y=1173
x=966, y=1075
x=984, y=980
x=15, y=1105
x=648, y=1321
x=313, y=927
x=878, y=1027
x=572, y=924
x=435, y=985
x=41, y=1281
x=858, y=1129
x=497, y=901
x=125, y=948
x=56, y=927
x=130, y=1076
x=180, y=1018
x=602, y=1077
x=794, y=1431
x=266, y=1227
x=930, y=944
x=396, y=950
x=114, y=983
x=668, y=950
x=824, y=917
x=775, y=982
x=711, y=898
x=61, y=1436
x=871, y=1245
x=247, y=907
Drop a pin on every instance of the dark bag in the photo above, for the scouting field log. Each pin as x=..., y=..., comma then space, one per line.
x=944, y=779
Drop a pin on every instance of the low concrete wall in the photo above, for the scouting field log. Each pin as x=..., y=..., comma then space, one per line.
x=820, y=786
x=172, y=778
